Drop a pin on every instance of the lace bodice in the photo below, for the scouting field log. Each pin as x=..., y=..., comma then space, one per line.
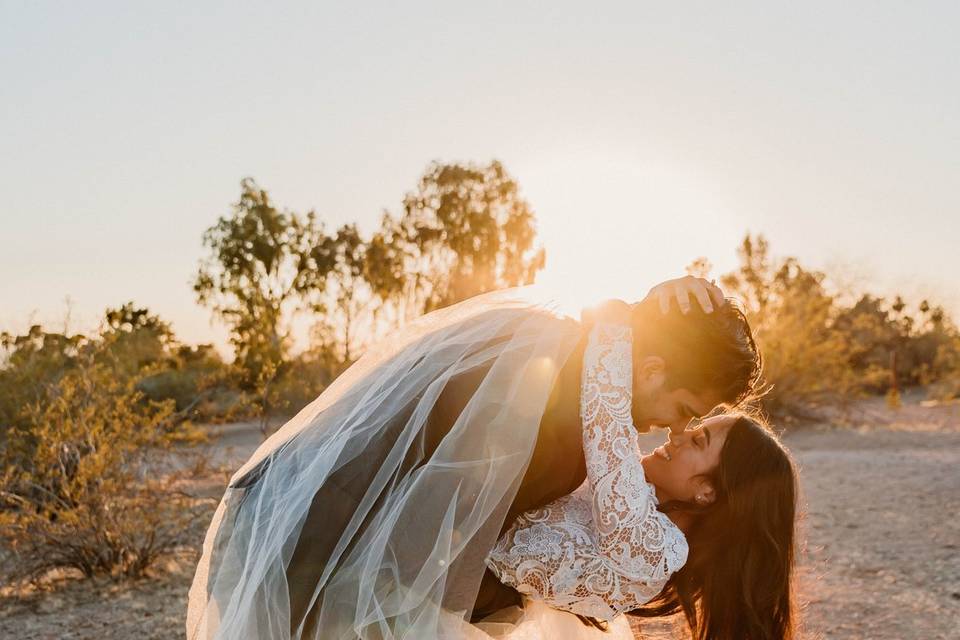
x=605, y=548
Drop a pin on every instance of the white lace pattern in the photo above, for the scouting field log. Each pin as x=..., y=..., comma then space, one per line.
x=605, y=548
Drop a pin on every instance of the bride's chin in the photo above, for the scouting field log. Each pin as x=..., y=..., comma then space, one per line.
x=653, y=467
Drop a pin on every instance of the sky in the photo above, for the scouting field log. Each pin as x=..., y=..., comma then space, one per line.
x=643, y=135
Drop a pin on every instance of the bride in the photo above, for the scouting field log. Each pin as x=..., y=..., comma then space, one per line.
x=375, y=511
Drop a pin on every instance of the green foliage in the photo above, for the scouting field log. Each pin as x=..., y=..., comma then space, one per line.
x=303, y=379
x=86, y=423
x=33, y=361
x=891, y=348
x=345, y=309
x=263, y=265
x=818, y=351
x=77, y=488
x=792, y=315
x=135, y=339
x=134, y=344
x=467, y=230
x=464, y=231
x=946, y=386
x=871, y=338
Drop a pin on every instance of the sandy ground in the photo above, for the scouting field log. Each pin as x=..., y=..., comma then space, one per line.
x=881, y=528
x=881, y=531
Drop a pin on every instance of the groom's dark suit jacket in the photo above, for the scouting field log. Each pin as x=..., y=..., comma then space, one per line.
x=556, y=469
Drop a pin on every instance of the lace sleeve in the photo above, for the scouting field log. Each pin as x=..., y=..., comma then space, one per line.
x=604, y=549
x=630, y=530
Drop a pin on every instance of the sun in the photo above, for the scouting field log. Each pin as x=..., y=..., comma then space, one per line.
x=615, y=223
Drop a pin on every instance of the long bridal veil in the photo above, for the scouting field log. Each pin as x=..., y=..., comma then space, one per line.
x=348, y=522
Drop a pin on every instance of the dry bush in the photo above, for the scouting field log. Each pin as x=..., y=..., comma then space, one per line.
x=80, y=486
x=947, y=386
x=820, y=352
x=806, y=362
x=118, y=529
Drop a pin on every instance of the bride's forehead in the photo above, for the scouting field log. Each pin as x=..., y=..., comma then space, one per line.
x=722, y=421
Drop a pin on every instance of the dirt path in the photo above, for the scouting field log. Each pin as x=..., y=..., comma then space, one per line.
x=881, y=528
x=882, y=531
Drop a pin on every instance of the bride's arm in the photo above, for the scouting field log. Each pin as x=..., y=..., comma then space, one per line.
x=629, y=528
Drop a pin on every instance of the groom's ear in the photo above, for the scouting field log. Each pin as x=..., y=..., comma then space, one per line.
x=650, y=373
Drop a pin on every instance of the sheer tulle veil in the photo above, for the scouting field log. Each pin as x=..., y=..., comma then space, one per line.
x=408, y=562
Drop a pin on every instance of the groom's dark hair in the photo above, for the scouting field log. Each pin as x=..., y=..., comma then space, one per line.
x=702, y=351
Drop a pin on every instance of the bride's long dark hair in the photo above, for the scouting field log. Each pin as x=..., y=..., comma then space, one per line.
x=737, y=582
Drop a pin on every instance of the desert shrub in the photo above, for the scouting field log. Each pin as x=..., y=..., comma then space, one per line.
x=946, y=365
x=32, y=361
x=792, y=315
x=303, y=379
x=138, y=343
x=871, y=336
x=204, y=388
x=133, y=339
x=80, y=483
x=116, y=528
x=818, y=351
x=892, y=347
x=935, y=352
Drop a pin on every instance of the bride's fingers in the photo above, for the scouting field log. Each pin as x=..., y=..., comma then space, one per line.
x=708, y=295
x=664, y=298
x=682, y=294
x=716, y=294
x=703, y=297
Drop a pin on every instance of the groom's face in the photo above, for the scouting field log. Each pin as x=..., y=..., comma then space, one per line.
x=654, y=405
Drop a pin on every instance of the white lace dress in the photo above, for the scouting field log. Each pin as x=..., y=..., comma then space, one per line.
x=604, y=549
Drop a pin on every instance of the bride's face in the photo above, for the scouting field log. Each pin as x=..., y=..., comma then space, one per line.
x=679, y=467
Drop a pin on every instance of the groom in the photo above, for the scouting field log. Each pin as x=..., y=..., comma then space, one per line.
x=686, y=360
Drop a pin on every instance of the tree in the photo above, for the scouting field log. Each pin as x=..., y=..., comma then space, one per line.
x=871, y=335
x=467, y=230
x=393, y=288
x=792, y=316
x=136, y=338
x=347, y=291
x=264, y=265
x=464, y=231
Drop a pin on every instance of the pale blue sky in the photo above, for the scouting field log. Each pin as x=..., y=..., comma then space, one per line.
x=644, y=135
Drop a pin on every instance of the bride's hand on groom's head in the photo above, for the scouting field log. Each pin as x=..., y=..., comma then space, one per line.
x=707, y=294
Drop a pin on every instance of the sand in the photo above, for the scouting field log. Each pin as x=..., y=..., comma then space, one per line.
x=881, y=531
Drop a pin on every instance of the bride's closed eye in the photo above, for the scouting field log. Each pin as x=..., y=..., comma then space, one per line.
x=700, y=440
